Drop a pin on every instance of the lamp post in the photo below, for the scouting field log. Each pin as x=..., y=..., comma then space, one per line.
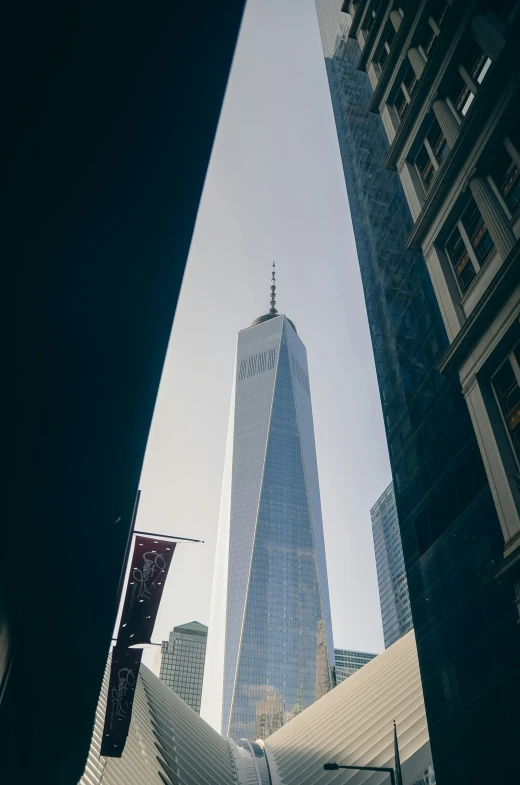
x=336, y=766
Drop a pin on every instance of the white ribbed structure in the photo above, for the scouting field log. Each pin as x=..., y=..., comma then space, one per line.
x=352, y=725
x=168, y=743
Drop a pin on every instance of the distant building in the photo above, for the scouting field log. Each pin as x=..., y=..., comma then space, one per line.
x=347, y=662
x=391, y=573
x=182, y=662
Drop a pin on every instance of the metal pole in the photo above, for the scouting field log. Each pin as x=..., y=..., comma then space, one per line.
x=127, y=551
x=151, y=643
x=166, y=536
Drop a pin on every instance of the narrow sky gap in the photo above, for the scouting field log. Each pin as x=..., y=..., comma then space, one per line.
x=274, y=190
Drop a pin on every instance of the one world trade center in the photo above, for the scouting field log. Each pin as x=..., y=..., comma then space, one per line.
x=278, y=636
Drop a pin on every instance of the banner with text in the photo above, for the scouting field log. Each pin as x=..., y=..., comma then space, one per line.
x=123, y=679
x=150, y=564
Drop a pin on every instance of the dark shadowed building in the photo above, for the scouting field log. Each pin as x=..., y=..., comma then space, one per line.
x=425, y=101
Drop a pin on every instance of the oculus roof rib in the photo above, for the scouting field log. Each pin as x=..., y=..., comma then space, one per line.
x=169, y=744
x=353, y=725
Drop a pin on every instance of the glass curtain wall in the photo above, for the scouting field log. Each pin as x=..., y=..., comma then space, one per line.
x=279, y=650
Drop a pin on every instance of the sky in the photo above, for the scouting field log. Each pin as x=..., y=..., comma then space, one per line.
x=274, y=190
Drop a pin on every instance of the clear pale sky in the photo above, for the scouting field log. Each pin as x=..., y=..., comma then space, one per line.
x=274, y=190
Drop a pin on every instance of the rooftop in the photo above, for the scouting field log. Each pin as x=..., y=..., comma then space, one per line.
x=191, y=626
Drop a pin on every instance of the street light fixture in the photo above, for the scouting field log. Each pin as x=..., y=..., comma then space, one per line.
x=336, y=766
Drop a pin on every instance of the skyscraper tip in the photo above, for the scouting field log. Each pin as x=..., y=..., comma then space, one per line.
x=273, y=292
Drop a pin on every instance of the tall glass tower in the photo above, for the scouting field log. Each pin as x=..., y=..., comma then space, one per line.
x=396, y=613
x=278, y=649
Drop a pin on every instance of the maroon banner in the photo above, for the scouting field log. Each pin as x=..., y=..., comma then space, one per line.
x=150, y=564
x=123, y=679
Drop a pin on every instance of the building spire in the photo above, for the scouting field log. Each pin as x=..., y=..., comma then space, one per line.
x=273, y=292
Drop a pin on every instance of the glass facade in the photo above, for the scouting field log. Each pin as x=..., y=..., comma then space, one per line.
x=182, y=662
x=396, y=613
x=278, y=652
x=348, y=662
x=464, y=619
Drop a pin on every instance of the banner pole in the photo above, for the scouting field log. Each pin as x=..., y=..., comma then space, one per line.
x=127, y=552
x=166, y=536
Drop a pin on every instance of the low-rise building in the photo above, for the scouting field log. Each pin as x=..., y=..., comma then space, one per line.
x=182, y=661
x=348, y=662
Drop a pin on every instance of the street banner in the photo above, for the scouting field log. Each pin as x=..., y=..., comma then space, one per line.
x=124, y=670
x=150, y=564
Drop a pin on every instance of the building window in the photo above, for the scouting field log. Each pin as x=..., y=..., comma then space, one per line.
x=401, y=103
x=477, y=231
x=460, y=259
x=371, y=18
x=432, y=153
x=476, y=63
x=505, y=170
x=370, y=22
x=506, y=384
x=472, y=72
x=468, y=246
x=460, y=96
x=410, y=80
x=437, y=142
x=506, y=176
x=506, y=10
x=427, y=40
x=406, y=90
x=384, y=51
x=438, y=11
x=424, y=166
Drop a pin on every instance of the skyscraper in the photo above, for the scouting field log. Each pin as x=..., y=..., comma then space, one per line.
x=348, y=662
x=463, y=610
x=396, y=613
x=278, y=648
x=182, y=661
